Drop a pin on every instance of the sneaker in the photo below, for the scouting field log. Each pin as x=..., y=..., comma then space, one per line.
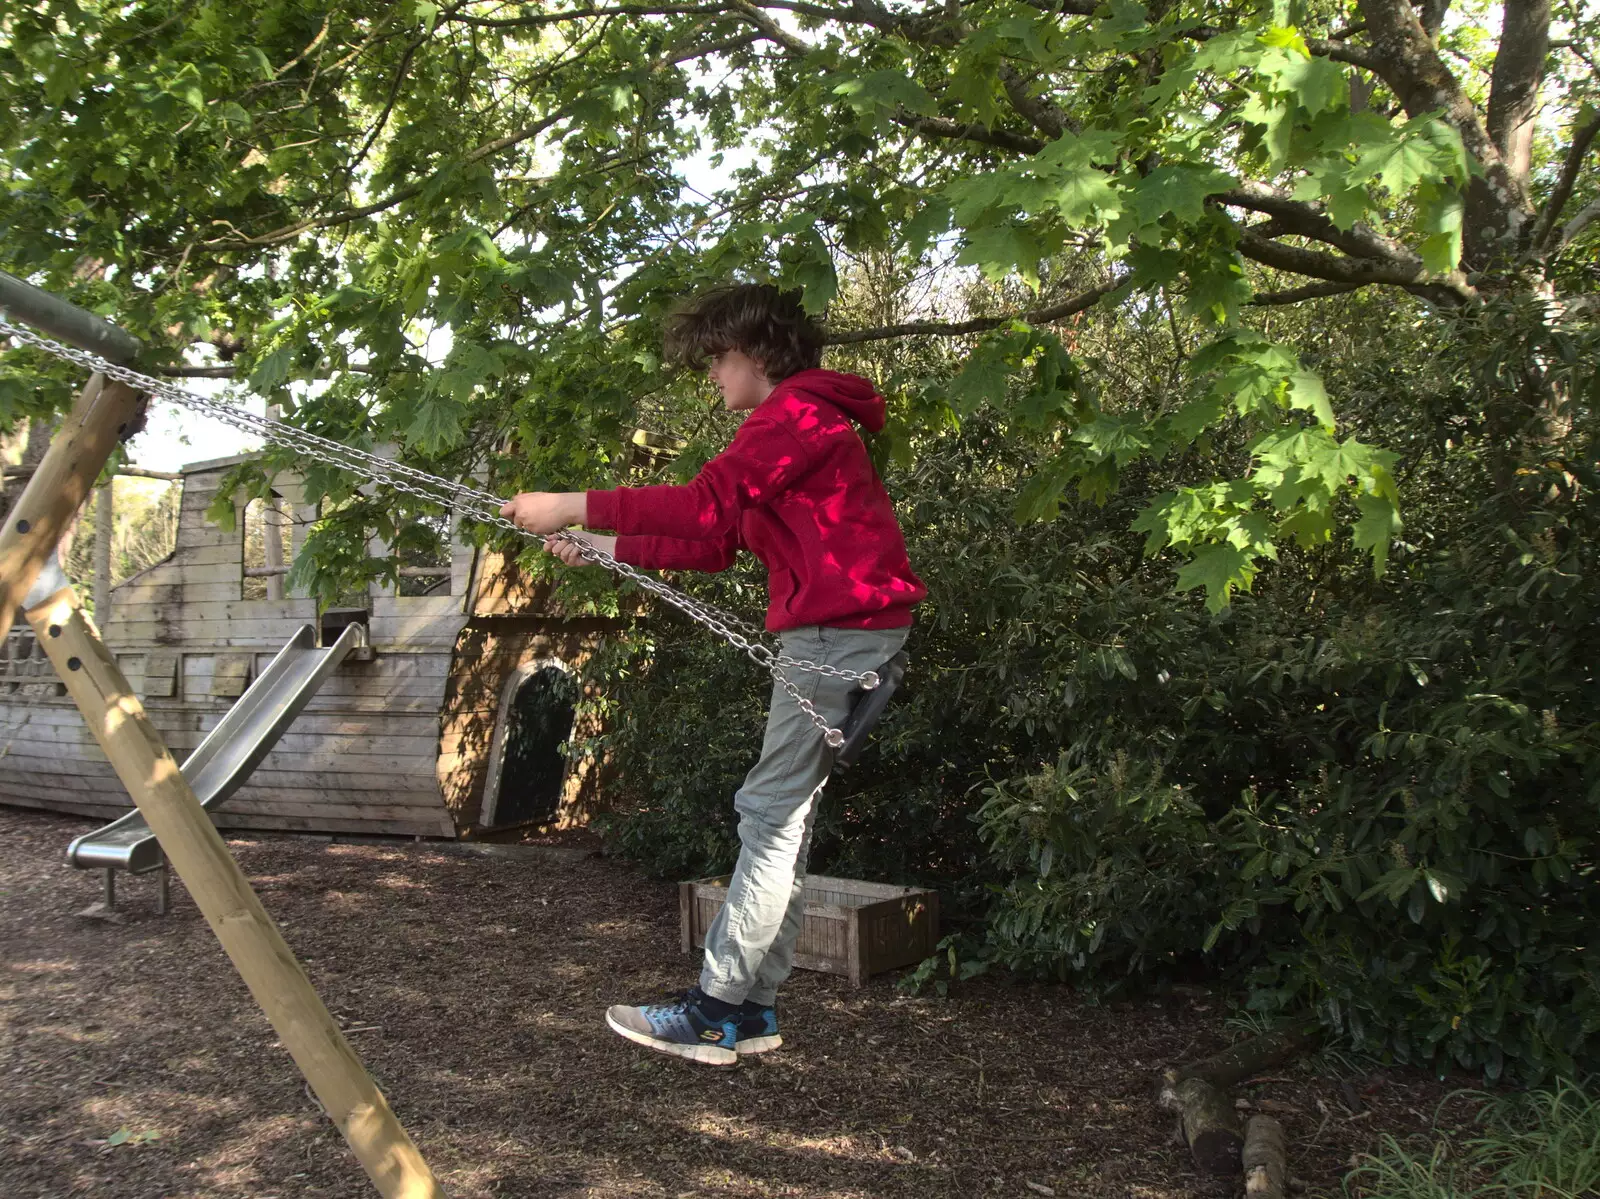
x=756, y=1030
x=680, y=1029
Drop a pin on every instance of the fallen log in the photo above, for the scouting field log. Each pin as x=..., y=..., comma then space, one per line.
x=1236, y=1063
x=1210, y=1126
x=1265, y=1159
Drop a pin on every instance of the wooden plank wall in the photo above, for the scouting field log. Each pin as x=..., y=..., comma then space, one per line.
x=362, y=758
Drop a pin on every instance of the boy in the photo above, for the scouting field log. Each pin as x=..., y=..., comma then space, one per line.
x=795, y=487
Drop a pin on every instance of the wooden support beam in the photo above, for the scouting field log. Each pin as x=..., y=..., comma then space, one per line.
x=59, y=485
x=104, y=519
x=196, y=851
x=71, y=324
x=191, y=843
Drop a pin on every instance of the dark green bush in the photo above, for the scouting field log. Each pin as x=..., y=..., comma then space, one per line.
x=1378, y=800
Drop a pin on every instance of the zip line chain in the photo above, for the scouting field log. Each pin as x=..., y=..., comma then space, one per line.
x=480, y=505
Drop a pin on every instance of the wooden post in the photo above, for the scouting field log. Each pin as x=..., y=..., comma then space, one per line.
x=59, y=486
x=272, y=523
x=189, y=840
x=103, y=520
x=196, y=851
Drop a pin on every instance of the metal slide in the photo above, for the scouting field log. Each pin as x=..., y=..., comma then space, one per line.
x=224, y=760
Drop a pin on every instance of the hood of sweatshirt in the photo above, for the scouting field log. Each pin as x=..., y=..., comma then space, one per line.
x=856, y=397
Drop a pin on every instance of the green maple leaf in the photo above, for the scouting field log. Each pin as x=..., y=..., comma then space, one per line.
x=1085, y=196
x=1173, y=81
x=1316, y=83
x=1168, y=519
x=1073, y=151
x=1155, y=266
x=819, y=282
x=1228, y=52
x=1305, y=391
x=1339, y=461
x=926, y=224
x=1308, y=526
x=1276, y=116
x=435, y=424
x=1217, y=287
x=1040, y=496
x=982, y=380
x=1380, y=521
x=1348, y=205
x=973, y=200
x=1219, y=569
x=1402, y=163
x=272, y=368
x=1330, y=179
x=1195, y=417
x=885, y=89
x=1179, y=189
x=999, y=249
x=1119, y=438
x=1440, y=209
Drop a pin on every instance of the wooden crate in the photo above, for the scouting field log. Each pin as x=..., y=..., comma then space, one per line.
x=851, y=928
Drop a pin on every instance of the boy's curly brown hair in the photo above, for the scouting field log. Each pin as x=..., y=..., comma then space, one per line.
x=756, y=318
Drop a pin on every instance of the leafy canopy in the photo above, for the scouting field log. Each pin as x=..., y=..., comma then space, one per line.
x=465, y=221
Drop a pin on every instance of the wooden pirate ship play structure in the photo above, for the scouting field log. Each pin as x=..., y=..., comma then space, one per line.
x=443, y=717
x=436, y=708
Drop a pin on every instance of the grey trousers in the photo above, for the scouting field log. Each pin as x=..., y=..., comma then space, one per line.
x=750, y=945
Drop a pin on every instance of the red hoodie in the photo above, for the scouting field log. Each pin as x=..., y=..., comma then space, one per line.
x=795, y=488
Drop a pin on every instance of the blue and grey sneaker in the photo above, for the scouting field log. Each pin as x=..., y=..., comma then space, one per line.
x=678, y=1028
x=756, y=1030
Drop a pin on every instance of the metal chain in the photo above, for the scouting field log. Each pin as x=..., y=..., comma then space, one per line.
x=480, y=505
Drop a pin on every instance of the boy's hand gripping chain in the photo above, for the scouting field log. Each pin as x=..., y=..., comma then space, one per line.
x=480, y=505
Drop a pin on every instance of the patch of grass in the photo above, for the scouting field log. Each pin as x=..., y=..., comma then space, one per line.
x=1536, y=1145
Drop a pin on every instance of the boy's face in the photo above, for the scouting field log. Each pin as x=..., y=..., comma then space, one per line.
x=742, y=381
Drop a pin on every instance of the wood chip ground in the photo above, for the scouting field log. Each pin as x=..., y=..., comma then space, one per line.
x=134, y=1065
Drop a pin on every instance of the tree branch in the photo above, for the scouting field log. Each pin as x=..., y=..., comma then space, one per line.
x=1294, y=295
x=1040, y=316
x=1586, y=216
x=1039, y=111
x=1405, y=59
x=388, y=107
x=1514, y=85
x=1451, y=291
x=1498, y=205
x=398, y=196
x=798, y=47
x=969, y=131
x=535, y=20
x=1309, y=220
x=228, y=372
x=1582, y=139
x=1338, y=51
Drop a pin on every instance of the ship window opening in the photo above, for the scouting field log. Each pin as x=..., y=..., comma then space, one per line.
x=266, y=556
x=422, y=550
